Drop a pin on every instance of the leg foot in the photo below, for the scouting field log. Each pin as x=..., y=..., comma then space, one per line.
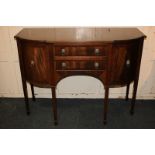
x=55, y=123
x=131, y=112
x=106, y=104
x=28, y=113
x=54, y=105
x=132, y=109
x=27, y=106
x=134, y=97
x=105, y=122
x=26, y=97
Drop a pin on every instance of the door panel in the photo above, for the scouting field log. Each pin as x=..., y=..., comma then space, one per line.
x=36, y=63
x=124, y=62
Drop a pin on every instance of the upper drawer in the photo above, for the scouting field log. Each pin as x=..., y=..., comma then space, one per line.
x=81, y=50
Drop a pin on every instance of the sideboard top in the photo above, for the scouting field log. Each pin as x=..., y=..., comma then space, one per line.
x=75, y=34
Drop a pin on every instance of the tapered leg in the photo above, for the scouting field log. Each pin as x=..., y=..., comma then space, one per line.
x=106, y=100
x=26, y=97
x=136, y=76
x=134, y=97
x=127, y=92
x=32, y=90
x=54, y=105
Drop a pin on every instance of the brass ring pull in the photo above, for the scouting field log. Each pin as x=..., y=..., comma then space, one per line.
x=63, y=51
x=32, y=62
x=96, y=65
x=128, y=63
x=63, y=64
x=97, y=51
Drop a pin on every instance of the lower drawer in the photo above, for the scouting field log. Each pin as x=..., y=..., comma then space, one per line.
x=80, y=65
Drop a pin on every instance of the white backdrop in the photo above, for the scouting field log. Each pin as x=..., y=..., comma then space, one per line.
x=72, y=87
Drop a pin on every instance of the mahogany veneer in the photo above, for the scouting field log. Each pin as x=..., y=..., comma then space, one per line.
x=112, y=55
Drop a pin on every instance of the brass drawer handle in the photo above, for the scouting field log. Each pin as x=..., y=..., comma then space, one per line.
x=97, y=51
x=63, y=64
x=32, y=62
x=96, y=65
x=128, y=63
x=63, y=51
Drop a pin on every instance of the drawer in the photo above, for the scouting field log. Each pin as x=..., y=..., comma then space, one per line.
x=81, y=50
x=80, y=65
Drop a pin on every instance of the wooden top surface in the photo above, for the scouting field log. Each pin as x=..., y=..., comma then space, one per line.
x=79, y=34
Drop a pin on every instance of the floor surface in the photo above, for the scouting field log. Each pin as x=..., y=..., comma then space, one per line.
x=76, y=114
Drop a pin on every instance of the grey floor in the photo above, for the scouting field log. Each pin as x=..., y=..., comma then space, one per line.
x=76, y=114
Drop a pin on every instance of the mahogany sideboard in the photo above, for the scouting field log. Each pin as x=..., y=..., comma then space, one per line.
x=112, y=55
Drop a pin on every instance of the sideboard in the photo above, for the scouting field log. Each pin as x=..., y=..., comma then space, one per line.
x=112, y=55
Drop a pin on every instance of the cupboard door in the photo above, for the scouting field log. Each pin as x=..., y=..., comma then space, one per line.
x=123, y=67
x=36, y=63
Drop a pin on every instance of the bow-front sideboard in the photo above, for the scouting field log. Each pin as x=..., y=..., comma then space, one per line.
x=112, y=55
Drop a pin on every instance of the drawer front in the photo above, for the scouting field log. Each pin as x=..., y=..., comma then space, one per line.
x=81, y=50
x=80, y=65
